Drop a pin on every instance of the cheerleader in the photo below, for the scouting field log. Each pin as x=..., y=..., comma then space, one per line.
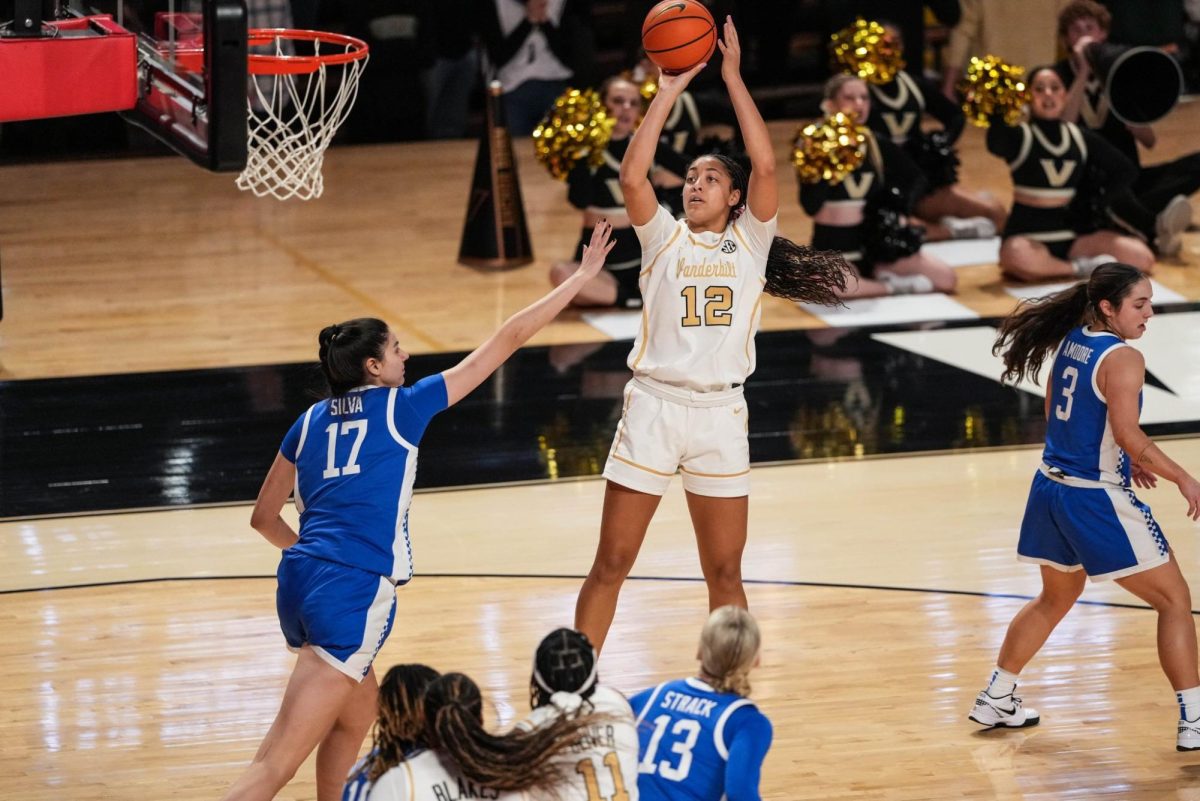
x=899, y=106
x=846, y=213
x=596, y=191
x=1048, y=159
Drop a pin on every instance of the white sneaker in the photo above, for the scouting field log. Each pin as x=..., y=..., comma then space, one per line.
x=1084, y=266
x=1006, y=712
x=1188, y=738
x=969, y=227
x=916, y=284
x=1170, y=224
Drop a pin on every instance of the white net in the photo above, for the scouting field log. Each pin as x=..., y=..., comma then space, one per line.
x=292, y=120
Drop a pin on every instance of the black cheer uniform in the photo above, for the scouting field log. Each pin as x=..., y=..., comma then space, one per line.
x=1051, y=159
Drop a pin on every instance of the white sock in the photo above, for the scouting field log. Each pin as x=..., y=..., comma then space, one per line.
x=1189, y=703
x=1003, y=683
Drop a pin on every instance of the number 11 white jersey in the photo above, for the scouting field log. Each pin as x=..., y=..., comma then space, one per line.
x=702, y=301
x=604, y=764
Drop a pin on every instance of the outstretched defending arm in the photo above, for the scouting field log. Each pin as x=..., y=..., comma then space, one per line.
x=763, y=194
x=516, y=331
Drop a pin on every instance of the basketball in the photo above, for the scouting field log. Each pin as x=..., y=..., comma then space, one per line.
x=679, y=34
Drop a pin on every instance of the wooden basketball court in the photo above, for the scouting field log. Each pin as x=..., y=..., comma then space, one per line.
x=141, y=655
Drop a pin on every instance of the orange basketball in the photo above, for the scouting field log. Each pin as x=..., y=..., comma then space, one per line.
x=679, y=34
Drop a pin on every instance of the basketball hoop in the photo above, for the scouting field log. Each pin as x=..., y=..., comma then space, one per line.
x=297, y=103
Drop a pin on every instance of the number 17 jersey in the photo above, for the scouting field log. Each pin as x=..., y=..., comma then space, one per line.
x=356, y=461
x=701, y=301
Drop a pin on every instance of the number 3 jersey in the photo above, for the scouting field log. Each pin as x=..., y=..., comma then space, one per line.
x=1079, y=438
x=698, y=744
x=702, y=301
x=356, y=460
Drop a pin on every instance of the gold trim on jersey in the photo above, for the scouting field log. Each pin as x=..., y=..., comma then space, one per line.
x=750, y=330
x=738, y=233
x=623, y=460
x=713, y=246
x=621, y=425
x=658, y=255
x=709, y=475
x=644, y=333
x=412, y=782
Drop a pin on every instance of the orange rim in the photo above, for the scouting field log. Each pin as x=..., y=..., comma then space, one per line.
x=355, y=50
x=192, y=58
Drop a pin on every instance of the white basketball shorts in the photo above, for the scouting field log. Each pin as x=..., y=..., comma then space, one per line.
x=665, y=428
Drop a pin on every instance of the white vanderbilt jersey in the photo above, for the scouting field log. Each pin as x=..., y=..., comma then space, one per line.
x=423, y=776
x=605, y=764
x=702, y=300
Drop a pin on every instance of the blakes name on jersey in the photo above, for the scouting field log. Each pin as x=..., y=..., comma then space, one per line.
x=464, y=788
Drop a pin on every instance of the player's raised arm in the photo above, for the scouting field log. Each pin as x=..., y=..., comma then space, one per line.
x=640, y=201
x=516, y=331
x=762, y=195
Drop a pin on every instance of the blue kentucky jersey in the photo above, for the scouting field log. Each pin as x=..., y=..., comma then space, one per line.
x=356, y=460
x=697, y=743
x=1079, y=439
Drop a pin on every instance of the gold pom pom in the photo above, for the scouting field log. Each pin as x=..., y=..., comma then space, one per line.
x=578, y=126
x=829, y=150
x=993, y=87
x=865, y=49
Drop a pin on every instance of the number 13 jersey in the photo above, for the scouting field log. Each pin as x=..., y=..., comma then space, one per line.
x=702, y=301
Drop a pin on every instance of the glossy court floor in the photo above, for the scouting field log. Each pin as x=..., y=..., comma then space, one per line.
x=153, y=358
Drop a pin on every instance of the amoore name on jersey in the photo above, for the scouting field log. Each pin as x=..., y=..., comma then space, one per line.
x=1077, y=352
x=681, y=702
x=348, y=404
x=445, y=791
x=721, y=269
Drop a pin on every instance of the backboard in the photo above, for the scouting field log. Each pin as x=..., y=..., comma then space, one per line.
x=190, y=71
x=201, y=114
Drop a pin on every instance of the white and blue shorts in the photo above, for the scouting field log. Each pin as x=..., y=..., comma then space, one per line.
x=1074, y=524
x=344, y=614
x=665, y=428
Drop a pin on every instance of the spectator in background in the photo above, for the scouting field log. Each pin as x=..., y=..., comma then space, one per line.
x=535, y=47
x=447, y=33
x=907, y=15
x=1157, y=209
x=1019, y=31
x=1156, y=23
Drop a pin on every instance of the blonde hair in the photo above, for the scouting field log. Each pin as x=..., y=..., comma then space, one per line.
x=729, y=645
x=833, y=88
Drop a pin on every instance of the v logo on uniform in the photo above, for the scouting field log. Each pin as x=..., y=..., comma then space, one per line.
x=1058, y=176
x=857, y=186
x=899, y=124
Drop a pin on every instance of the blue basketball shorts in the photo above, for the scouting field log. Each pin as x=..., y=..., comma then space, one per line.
x=344, y=614
x=1104, y=530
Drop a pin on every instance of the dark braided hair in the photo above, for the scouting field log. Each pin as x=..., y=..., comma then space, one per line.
x=520, y=759
x=401, y=723
x=344, y=347
x=565, y=662
x=794, y=272
x=1033, y=331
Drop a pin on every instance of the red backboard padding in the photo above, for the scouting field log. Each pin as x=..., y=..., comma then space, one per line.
x=88, y=68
